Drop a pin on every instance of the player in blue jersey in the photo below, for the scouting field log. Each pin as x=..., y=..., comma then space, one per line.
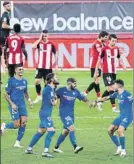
x=46, y=124
x=121, y=123
x=67, y=96
x=15, y=93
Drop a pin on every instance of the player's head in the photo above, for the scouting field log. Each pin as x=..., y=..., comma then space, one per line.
x=118, y=84
x=112, y=40
x=103, y=36
x=17, y=28
x=45, y=35
x=52, y=79
x=19, y=70
x=7, y=6
x=72, y=83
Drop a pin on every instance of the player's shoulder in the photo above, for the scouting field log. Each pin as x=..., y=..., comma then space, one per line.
x=11, y=79
x=126, y=93
x=24, y=79
x=61, y=89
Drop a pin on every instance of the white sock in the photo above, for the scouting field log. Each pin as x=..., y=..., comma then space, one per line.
x=123, y=150
x=46, y=150
x=17, y=142
x=119, y=147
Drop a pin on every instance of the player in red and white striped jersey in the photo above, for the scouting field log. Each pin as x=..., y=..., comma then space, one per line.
x=109, y=56
x=14, y=50
x=95, y=52
x=46, y=50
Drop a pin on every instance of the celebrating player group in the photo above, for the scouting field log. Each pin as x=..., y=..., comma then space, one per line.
x=105, y=54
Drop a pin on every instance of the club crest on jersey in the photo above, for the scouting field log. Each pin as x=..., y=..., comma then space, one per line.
x=24, y=82
x=73, y=93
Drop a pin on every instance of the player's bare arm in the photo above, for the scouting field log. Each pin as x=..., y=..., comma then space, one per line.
x=7, y=96
x=5, y=25
x=90, y=104
x=28, y=98
x=37, y=42
x=97, y=67
x=54, y=101
x=24, y=51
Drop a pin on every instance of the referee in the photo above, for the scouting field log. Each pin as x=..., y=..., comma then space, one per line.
x=5, y=23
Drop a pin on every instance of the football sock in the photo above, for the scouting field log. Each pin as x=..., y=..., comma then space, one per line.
x=106, y=93
x=122, y=142
x=48, y=138
x=91, y=86
x=72, y=137
x=97, y=89
x=60, y=140
x=9, y=125
x=35, y=139
x=38, y=89
x=115, y=140
x=21, y=132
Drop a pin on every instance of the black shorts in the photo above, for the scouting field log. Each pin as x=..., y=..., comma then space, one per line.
x=2, y=40
x=42, y=73
x=109, y=78
x=11, y=69
x=93, y=71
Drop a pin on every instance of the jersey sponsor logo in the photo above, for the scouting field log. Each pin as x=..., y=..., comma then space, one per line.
x=69, y=98
x=21, y=87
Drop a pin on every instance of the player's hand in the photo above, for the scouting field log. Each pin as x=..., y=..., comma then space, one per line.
x=41, y=35
x=90, y=104
x=31, y=103
x=14, y=107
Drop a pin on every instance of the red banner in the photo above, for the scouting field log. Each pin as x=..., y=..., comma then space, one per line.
x=75, y=52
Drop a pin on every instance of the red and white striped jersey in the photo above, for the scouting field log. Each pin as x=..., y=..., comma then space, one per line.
x=109, y=57
x=95, y=52
x=46, y=50
x=15, y=43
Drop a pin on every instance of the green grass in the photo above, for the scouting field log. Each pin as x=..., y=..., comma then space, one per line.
x=91, y=129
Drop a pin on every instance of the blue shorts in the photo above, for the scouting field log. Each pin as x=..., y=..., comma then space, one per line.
x=125, y=121
x=67, y=121
x=21, y=111
x=46, y=123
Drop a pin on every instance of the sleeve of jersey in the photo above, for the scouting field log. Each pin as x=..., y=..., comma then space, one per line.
x=114, y=95
x=4, y=18
x=80, y=96
x=26, y=86
x=8, y=87
x=102, y=53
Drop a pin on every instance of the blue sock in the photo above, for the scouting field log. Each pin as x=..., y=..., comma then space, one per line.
x=48, y=138
x=21, y=132
x=10, y=125
x=115, y=140
x=122, y=142
x=72, y=137
x=35, y=139
x=60, y=140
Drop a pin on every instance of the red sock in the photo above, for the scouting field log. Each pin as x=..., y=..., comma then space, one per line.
x=113, y=105
x=86, y=91
x=98, y=94
x=38, y=94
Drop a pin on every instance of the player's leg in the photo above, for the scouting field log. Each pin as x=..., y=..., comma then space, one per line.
x=21, y=131
x=38, y=78
x=35, y=139
x=121, y=132
x=91, y=85
x=48, y=138
x=61, y=138
x=14, y=124
x=111, y=131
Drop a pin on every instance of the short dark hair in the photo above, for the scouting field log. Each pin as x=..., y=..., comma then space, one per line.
x=18, y=65
x=120, y=82
x=112, y=36
x=6, y=3
x=103, y=34
x=17, y=28
x=49, y=77
x=71, y=79
x=45, y=31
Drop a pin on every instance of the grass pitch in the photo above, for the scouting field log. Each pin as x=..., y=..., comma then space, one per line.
x=91, y=129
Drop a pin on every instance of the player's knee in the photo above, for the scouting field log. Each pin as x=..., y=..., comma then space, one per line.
x=23, y=123
x=37, y=82
x=71, y=128
x=110, y=131
x=65, y=132
x=16, y=124
x=41, y=130
x=120, y=132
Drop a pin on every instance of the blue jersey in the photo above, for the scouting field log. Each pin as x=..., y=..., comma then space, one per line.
x=16, y=89
x=125, y=101
x=46, y=106
x=67, y=100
